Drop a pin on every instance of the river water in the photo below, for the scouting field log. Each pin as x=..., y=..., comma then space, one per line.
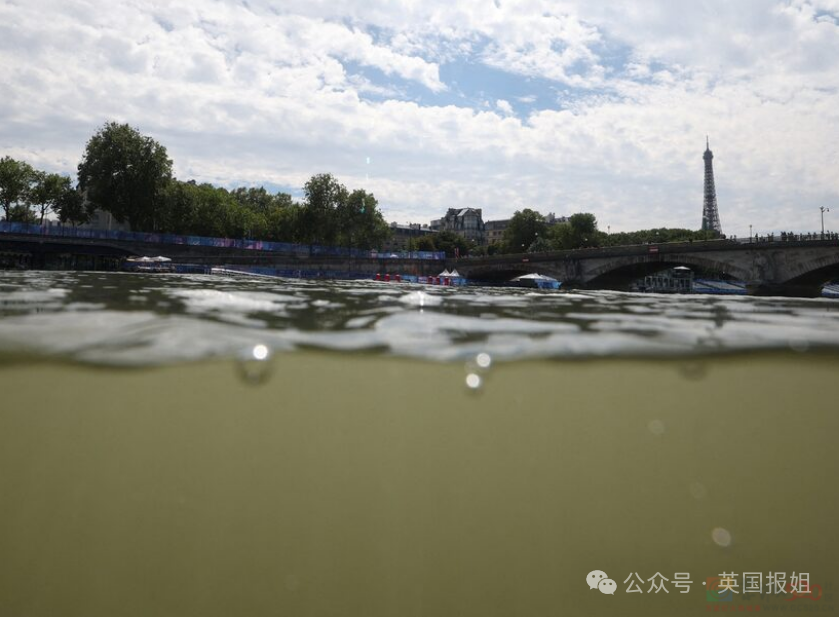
x=198, y=445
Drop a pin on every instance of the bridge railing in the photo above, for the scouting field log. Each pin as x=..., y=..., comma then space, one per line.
x=286, y=248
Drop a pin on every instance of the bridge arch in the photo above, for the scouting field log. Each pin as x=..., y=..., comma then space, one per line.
x=501, y=274
x=816, y=271
x=620, y=273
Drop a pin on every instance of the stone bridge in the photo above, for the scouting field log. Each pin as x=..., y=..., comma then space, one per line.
x=795, y=268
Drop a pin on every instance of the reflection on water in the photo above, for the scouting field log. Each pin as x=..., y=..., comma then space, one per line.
x=266, y=477
x=136, y=319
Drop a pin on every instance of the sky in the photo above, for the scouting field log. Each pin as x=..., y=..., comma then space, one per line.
x=560, y=106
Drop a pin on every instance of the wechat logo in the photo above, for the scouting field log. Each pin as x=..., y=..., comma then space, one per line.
x=598, y=579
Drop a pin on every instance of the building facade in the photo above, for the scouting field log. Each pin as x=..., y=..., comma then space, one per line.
x=495, y=230
x=467, y=222
x=401, y=236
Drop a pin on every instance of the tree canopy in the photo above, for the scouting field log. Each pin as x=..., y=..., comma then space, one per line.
x=523, y=229
x=16, y=181
x=127, y=174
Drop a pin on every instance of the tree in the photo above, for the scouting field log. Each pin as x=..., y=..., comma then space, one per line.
x=283, y=219
x=22, y=213
x=126, y=173
x=661, y=234
x=318, y=223
x=425, y=243
x=47, y=190
x=255, y=199
x=540, y=245
x=208, y=208
x=523, y=229
x=579, y=231
x=72, y=207
x=448, y=241
x=16, y=180
x=360, y=224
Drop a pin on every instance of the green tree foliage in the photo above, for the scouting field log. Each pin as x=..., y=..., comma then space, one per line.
x=448, y=241
x=425, y=243
x=22, y=213
x=72, y=208
x=351, y=219
x=16, y=181
x=524, y=227
x=254, y=199
x=540, y=245
x=127, y=174
x=47, y=191
x=360, y=224
x=661, y=234
x=580, y=231
x=318, y=223
x=283, y=220
x=332, y=215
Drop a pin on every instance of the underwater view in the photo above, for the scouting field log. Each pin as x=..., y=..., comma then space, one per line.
x=207, y=445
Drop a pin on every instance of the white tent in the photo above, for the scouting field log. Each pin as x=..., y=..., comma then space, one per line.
x=445, y=273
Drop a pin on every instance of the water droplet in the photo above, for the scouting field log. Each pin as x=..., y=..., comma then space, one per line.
x=698, y=490
x=483, y=360
x=473, y=381
x=721, y=536
x=656, y=427
x=255, y=365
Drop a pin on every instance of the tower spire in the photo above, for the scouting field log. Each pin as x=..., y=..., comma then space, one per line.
x=710, y=214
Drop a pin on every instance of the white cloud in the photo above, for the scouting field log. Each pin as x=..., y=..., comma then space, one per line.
x=252, y=93
x=504, y=107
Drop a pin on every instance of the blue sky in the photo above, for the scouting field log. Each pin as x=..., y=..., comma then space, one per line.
x=561, y=105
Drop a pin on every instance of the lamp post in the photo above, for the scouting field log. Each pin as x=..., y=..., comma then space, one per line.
x=750, y=234
x=823, y=210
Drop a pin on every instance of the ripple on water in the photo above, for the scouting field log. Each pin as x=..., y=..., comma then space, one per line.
x=147, y=320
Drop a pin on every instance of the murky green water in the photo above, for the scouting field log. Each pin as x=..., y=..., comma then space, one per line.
x=406, y=451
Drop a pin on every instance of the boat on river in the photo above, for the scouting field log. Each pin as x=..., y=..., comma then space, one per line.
x=535, y=281
x=148, y=264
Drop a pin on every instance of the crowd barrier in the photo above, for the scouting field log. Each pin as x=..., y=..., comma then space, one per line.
x=251, y=245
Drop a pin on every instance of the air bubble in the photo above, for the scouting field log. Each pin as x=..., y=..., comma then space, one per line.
x=656, y=427
x=260, y=352
x=698, y=490
x=255, y=365
x=473, y=381
x=721, y=537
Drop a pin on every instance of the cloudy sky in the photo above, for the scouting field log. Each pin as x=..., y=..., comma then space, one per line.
x=562, y=106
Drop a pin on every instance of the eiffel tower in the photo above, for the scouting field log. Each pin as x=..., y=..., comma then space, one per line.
x=710, y=214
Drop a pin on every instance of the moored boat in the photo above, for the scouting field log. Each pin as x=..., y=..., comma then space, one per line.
x=148, y=264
